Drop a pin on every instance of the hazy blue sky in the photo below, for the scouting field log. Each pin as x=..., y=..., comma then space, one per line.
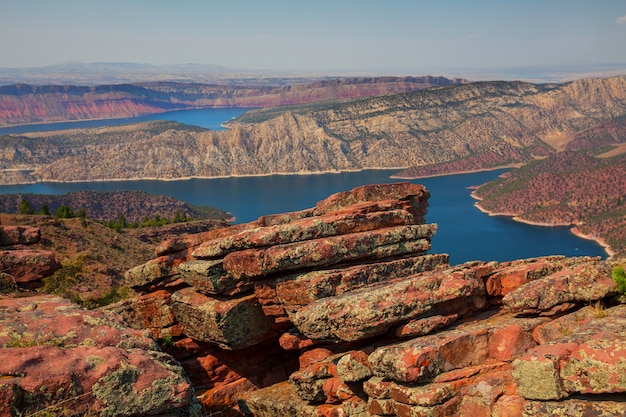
x=361, y=35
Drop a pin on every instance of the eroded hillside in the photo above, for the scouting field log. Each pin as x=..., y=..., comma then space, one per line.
x=28, y=104
x=456, y=128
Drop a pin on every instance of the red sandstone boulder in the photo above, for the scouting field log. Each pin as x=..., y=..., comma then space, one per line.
x=155, y=270
x=27, y=266
x=60, y=358
x=415, y=195
x=511, y=275
x=296, y=291
x=466, y=345
x=589, y=358
x=232, y=324
x=154, y=312
x=19, y=235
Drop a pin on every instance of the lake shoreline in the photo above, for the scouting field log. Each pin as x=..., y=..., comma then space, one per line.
x=468, y=171
x=331, y=172
x=574, y=229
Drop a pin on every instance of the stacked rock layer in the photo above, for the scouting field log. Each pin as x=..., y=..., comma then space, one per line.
x=339, y=310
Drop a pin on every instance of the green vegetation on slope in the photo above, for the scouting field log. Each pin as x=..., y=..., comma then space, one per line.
x=566, y=188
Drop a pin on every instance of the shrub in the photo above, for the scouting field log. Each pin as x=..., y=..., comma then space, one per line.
x=25, y=207
x=619, y=276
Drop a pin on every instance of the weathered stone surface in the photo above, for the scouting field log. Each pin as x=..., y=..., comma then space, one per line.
x=232, y=323
x=538, y=372
x=373, y=311
x=209, y=277
x=423, y=358
x=597, y=366
x=466, y=345
x=278, y=400
x=354, y=366
x=377, y=244
x=367, y=216
x=190, y=241
x=26, y=266
x=59, y=357
x=309, y=381
x=511, y=275
x=296, y=291
x=155, y=313
x=583, y=282
x=576, y=408
x=154, y=270
x=588, y=358
x=421, y=327
x=19, y=235
x=415, y=194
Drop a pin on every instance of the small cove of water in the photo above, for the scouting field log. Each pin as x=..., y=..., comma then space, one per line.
x=464, y=233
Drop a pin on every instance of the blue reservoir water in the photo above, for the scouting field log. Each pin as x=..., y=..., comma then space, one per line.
x=465, y=233
x=207, y=118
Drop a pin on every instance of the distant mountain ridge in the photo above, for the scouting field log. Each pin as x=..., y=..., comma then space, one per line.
x=472, y=126
x=22, y=103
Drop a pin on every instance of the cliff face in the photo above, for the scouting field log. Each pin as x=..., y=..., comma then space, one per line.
x=28, y=104
x=439, y=130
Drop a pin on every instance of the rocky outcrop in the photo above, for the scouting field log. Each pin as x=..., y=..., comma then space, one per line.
x=312, y=314
x=59, y=359
x=20, y=266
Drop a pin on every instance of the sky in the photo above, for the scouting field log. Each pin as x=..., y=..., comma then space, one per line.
x=320, y=35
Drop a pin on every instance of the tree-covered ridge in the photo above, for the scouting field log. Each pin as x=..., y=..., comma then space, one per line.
x=136, y=208
x=566, y=188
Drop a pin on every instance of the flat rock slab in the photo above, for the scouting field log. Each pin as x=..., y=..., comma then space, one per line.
x=415, y=194
x=508, y=276
x=374, y=310
x=361, y=218
x=232, y=323
x=209, y=277
x=376, y=244
x=155, y=270
x=586, y=281
x=471, y=344
x=296, y=291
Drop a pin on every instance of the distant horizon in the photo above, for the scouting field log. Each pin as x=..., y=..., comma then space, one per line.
x=398, y=36
x=94, y=73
